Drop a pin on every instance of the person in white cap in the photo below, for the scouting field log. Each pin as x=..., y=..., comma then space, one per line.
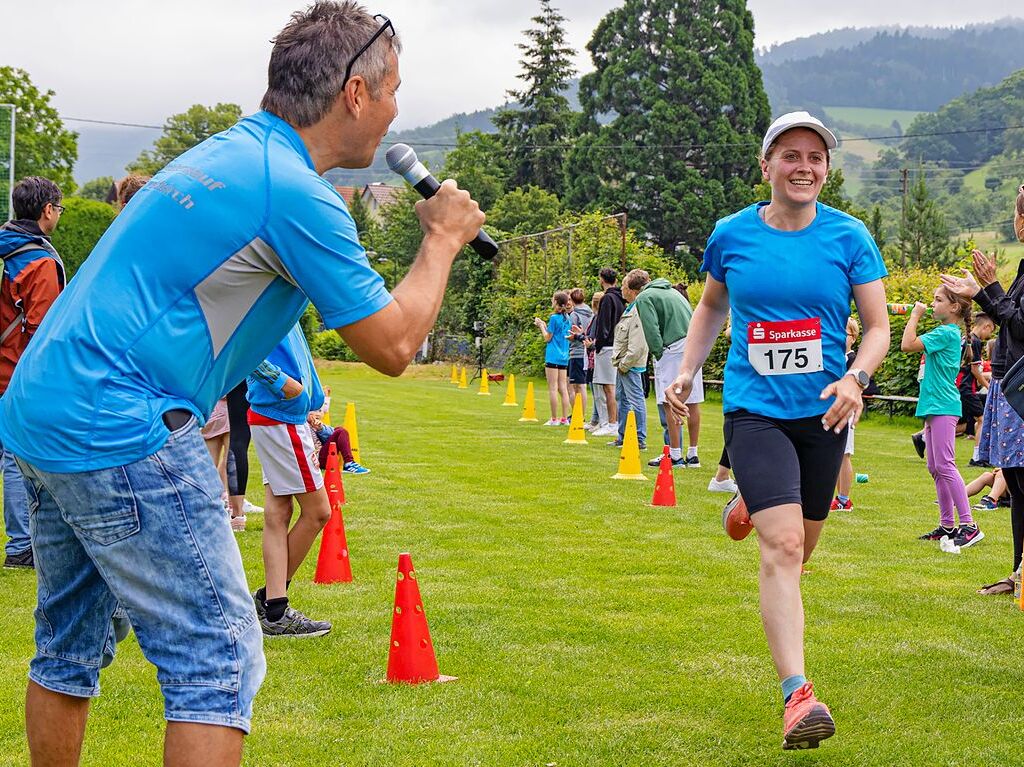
x=788, y=269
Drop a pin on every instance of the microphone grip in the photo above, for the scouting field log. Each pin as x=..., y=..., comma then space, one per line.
x=482, y=243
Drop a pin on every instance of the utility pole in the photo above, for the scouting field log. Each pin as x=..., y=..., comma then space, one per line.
x=8, y=183
x=904, y=173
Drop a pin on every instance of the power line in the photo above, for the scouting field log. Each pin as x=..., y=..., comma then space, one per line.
x=619, y=147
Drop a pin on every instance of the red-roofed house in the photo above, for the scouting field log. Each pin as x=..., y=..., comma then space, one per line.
x=377, y=195
x=347, y=193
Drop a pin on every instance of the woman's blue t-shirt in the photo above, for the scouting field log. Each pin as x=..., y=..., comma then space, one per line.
x=557, y=350
x=790, y=295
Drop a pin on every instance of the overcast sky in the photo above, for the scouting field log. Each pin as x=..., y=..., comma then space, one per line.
x=143, y=60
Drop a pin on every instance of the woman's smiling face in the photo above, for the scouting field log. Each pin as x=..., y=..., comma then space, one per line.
x=796, y=167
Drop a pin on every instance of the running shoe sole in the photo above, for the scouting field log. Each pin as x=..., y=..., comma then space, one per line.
x=740, y=528
x=308, y=635
x=811, y=730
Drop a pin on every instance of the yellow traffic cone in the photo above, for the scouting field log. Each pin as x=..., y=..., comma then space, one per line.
x=529, y=408
x=353, y=431
x=510, y=392
x=629, y=458
x=576, y=434
x=455, y=375
x=325, y=410
x=485, y=387
x=462, y=379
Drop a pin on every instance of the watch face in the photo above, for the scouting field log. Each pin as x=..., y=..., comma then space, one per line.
x=863, y=379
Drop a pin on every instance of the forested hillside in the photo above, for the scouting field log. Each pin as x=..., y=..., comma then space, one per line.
x=897, y=70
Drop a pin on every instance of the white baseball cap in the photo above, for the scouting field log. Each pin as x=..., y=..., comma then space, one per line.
x=792, y=120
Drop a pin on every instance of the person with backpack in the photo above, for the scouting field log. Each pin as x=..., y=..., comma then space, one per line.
x=33, y=277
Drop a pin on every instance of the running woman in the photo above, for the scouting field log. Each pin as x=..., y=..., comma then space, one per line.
x=787, y=269
x=939, y=404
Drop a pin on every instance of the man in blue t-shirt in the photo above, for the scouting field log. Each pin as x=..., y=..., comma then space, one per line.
x=188, y=290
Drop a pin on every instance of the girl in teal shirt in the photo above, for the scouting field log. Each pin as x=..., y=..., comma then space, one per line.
x=939, y=404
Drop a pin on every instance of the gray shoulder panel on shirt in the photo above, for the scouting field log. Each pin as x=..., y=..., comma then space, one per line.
x=228, y=294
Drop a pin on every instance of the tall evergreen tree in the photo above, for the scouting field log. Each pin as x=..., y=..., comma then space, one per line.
x=877, y=226
x=536, y=134
x=924, y=234
x=689, y=111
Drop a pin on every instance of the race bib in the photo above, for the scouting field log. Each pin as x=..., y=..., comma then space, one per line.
x=785, y=348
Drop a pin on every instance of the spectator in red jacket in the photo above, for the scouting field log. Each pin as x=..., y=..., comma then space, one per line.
x=33, y=276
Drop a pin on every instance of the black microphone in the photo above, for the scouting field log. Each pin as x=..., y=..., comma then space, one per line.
x=403, y=161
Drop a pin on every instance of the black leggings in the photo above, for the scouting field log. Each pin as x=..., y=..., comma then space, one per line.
x=724, y=460
x=238, y=409
x=1015, y=484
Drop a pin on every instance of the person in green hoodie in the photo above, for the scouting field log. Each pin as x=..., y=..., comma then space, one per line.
x=665, y=317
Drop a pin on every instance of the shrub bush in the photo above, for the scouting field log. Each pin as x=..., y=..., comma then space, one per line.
x=81, y=226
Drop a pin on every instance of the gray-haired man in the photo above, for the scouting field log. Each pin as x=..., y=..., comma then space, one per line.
x=237, y=234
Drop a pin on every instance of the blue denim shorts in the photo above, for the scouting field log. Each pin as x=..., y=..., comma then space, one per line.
x=152, y=535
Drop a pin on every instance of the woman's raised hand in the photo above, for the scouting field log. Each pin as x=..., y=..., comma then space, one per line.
x=984, y=268
x=965, y=287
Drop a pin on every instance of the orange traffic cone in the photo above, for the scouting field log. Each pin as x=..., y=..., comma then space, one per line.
x=332, y=565
x=665, y=484
x=529, y=407
x=629, y=457
x=510, y=392
x=577, y=436
x=353, y=431
x=411, y=656
x=325, y=414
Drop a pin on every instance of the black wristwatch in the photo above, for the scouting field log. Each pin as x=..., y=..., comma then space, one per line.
x=862, y=378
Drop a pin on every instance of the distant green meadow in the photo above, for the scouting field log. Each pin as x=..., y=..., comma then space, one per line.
x=586, y=627
x=870, y=116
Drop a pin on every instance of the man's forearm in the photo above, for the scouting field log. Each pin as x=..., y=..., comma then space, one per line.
x=388, y=340
x=421, y=293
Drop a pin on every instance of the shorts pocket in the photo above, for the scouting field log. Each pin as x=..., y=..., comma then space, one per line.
x=115, y=516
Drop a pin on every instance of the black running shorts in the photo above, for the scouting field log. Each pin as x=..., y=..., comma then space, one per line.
x=577, y=375
x=778, y=461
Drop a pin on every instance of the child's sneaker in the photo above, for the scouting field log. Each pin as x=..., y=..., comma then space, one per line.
x=938, y=534
x=838, y=505
x=238, y=524
x=563, y=422
x=692, y=462
x=985, y=504
x=251, y=508
x=354, y=468
x=806, y=721
x=552, y=422
x=727, y=485
x=968, y=535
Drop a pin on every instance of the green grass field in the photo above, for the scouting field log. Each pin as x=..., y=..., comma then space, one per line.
x=586, y=627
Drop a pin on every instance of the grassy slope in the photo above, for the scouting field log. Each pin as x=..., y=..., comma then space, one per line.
x=869, y=122
x=587, y=628
x=871, y=116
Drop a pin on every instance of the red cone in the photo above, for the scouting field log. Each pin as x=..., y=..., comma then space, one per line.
x=332, y=477
x=411, y=656
x=665, y=484
x=332, y=564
